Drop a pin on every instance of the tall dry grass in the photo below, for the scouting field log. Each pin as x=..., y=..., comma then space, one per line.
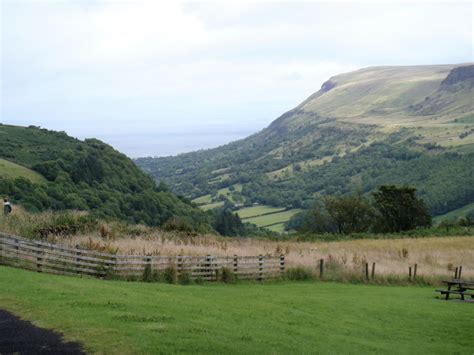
x=434, y=256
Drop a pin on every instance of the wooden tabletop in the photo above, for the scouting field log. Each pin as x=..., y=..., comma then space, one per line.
x=458, y=282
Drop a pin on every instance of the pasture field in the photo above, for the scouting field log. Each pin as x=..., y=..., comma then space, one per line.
x=453, y=215
x=271, y=219
x=280, y=317
x=11, y=170
x=210, y=206
x=203, y=200
x=258, y=211
x=280, y=227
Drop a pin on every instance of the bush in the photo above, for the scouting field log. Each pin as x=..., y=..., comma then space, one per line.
x=299, y=273
x=227, y=275
x=169, y=275
x=147, y=274
x=185, y=278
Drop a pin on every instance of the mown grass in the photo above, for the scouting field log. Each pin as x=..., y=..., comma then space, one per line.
x=286, y=317
x=11, y=170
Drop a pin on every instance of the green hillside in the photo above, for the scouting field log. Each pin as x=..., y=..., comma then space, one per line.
x=50, y=170
x=11, y=170
x=379, y=125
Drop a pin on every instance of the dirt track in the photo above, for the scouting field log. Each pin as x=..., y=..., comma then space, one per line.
x=21, y=337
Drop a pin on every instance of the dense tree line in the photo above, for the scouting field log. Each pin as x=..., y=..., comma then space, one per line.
x=390, y=209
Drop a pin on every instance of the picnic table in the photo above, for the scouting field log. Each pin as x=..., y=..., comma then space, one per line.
x=458, y=287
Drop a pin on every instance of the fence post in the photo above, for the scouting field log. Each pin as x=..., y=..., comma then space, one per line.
x=366, y=271
x=460, y=271
x=1, y=250
x=373, y=270
x=78, y=260
x=180, y=265
x=414, y=271
x=282, y=264
x=260, y=267
x=456, y=273
x=409, y=273
x=209, y=271
x=38, y=257
x=236, y=264
x=321, y=268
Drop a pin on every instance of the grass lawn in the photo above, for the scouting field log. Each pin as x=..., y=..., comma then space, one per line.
x=283, y=317
x=10, y=170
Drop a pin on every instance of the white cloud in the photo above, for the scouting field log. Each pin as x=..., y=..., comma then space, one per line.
x=166, y=65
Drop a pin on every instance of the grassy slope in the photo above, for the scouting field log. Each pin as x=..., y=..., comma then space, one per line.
x=273, y=218
x=11, y=170
x=363, y=106
x=120, y=317
x=453, y=215
x=257, y=211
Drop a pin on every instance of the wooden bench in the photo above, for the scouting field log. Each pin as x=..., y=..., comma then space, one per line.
x=463, y=288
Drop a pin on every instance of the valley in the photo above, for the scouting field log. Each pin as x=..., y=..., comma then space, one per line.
x=382, y=125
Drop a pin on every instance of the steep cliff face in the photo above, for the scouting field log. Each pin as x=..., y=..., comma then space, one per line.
x=459, y=77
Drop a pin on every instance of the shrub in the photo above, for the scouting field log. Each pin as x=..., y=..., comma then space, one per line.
x=299, y=273
x=227, y=275
x=147, y=274
x=169, y=275
x=184, y=278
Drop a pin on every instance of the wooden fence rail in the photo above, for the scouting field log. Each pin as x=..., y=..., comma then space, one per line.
x=54, y=258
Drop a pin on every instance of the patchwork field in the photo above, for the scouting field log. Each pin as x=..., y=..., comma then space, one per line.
x=268, y=220
x=284, y=317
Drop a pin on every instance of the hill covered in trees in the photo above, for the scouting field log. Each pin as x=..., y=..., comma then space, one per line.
x=42, y=169
x=376, y=126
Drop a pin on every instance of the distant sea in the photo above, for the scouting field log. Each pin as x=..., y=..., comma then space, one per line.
x=169, y=143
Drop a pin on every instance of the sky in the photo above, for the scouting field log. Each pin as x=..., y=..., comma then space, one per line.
x=158, y=78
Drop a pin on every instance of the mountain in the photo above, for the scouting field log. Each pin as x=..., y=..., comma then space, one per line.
x=403, y=125
x=42, y=169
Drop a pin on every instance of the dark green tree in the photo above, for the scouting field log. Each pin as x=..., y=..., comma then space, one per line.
x=399, y=209
x=350, y=214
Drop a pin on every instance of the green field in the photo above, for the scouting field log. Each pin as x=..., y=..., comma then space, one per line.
x=203, y=200
x=453, y=215
x=284, y=317
x=280, y=227
x=11, y=170
x=258, y=211
x=273, y=218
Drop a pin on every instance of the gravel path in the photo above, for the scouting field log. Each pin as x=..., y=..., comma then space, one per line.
x=21, y=337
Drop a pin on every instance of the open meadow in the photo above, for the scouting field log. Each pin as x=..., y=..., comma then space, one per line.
x=281, y=317
x=436, y=256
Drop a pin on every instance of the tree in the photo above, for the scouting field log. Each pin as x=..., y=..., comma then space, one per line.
x=351, y=214
x=400, y=209
x=228, y=223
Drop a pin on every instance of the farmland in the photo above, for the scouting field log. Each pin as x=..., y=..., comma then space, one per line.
x=11, y=170
x=285, y=317
x=272, y=219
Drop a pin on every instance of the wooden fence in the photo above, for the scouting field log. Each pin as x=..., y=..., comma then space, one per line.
x=53, y=258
